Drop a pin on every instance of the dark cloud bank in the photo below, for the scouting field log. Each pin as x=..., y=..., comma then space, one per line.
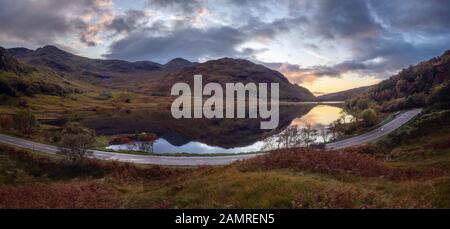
x=381, y=35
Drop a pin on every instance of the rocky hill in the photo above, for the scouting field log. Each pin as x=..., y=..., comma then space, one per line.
x=18, y=79
x=152, y=78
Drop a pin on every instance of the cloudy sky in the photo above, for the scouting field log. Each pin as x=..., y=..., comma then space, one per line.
x=324, y=45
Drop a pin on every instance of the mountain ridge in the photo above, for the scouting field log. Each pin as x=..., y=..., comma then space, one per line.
x=344, y=95
x=153, y=78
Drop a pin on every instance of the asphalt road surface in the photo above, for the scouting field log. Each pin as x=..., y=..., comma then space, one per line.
x=208, y=160
x=387, y=128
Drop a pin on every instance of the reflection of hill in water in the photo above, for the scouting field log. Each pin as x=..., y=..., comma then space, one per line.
x=225, y=133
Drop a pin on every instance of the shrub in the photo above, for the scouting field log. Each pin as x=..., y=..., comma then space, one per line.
x=369, y=117
x=105, y=95
x=6, y=122
x=345, y=197
x=440, y=96
x=25, y=122
x=334, y=163
x=76, y=141
x=76, y=195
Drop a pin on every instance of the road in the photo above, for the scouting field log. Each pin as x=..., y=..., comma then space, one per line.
x=208, y=160
x=377, y=133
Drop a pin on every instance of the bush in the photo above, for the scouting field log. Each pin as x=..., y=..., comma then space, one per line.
x=105, y=95
x=25, y=122
x=440, y=96
x=76, y=141
x=345, y=197
x=6, y=122
x=76, y=195
x=334, y=163
x=369, y=117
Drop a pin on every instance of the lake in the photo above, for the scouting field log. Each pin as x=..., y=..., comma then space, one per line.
x=211, y=136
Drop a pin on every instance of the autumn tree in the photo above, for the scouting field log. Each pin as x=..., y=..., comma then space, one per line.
x=76, y=140
x=440, y=96
x=146, y=141
x=25, y=122
x=369, y=117
x=290, y=137
x=308, y=135
x=324, y=133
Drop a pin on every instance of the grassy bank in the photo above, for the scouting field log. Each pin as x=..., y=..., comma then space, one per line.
x=356, y=178
x=409, y=168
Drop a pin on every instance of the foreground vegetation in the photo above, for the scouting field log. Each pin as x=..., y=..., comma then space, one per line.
x=391, y=174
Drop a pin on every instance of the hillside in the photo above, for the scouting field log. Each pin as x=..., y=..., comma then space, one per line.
x=177, y=64
x=17, y=79
x=344, y=95
x=425, y=84
x=152, y=78
x=77, y=67
x=237, y=70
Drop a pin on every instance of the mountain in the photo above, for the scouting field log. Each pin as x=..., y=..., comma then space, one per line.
x=178, y=64
x=152, y=78
x=344, y=95
x=18, y=79
x=76, y=67
x=423, y=85
x=228, y=70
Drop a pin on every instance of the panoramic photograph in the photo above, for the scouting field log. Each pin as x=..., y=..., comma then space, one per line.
x=224, y=104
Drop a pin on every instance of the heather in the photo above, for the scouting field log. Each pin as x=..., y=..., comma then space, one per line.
x=335, y=163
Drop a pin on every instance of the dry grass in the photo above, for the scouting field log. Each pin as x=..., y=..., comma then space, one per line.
x=347, y=197
x=282, y=179
x=88, y=194
x=350, y=162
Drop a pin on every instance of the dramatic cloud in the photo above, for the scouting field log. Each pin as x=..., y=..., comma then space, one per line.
x=189, y=43
x=32, y=22
x=130, y=21
x=303, y=39
x=161, y=42
x=349, y=19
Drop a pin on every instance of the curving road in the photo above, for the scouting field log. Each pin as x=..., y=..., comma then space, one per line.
x=209, y=160
x=373, y=135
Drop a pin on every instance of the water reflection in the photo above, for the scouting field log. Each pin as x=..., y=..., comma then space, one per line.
x=202, y=136
x=321, y=115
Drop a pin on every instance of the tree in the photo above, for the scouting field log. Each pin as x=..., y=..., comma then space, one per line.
x=6, y=122
x=324, y=133
x=76, y=141
x=290, y=137
x=25, y=122
x=308, y=135
x=369, y=117
x=146, y=141
x=440, y=96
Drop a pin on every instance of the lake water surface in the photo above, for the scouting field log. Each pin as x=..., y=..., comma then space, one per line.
x=202, y=136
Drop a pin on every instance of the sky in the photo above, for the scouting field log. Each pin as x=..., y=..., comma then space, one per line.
x=323, y=45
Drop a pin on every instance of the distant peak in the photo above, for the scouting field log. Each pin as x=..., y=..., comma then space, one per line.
x=447, y=53
x=179, y=60
x=178, y=63
x=51, y=48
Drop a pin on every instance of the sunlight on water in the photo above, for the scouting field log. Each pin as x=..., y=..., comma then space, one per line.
x=319, y=116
